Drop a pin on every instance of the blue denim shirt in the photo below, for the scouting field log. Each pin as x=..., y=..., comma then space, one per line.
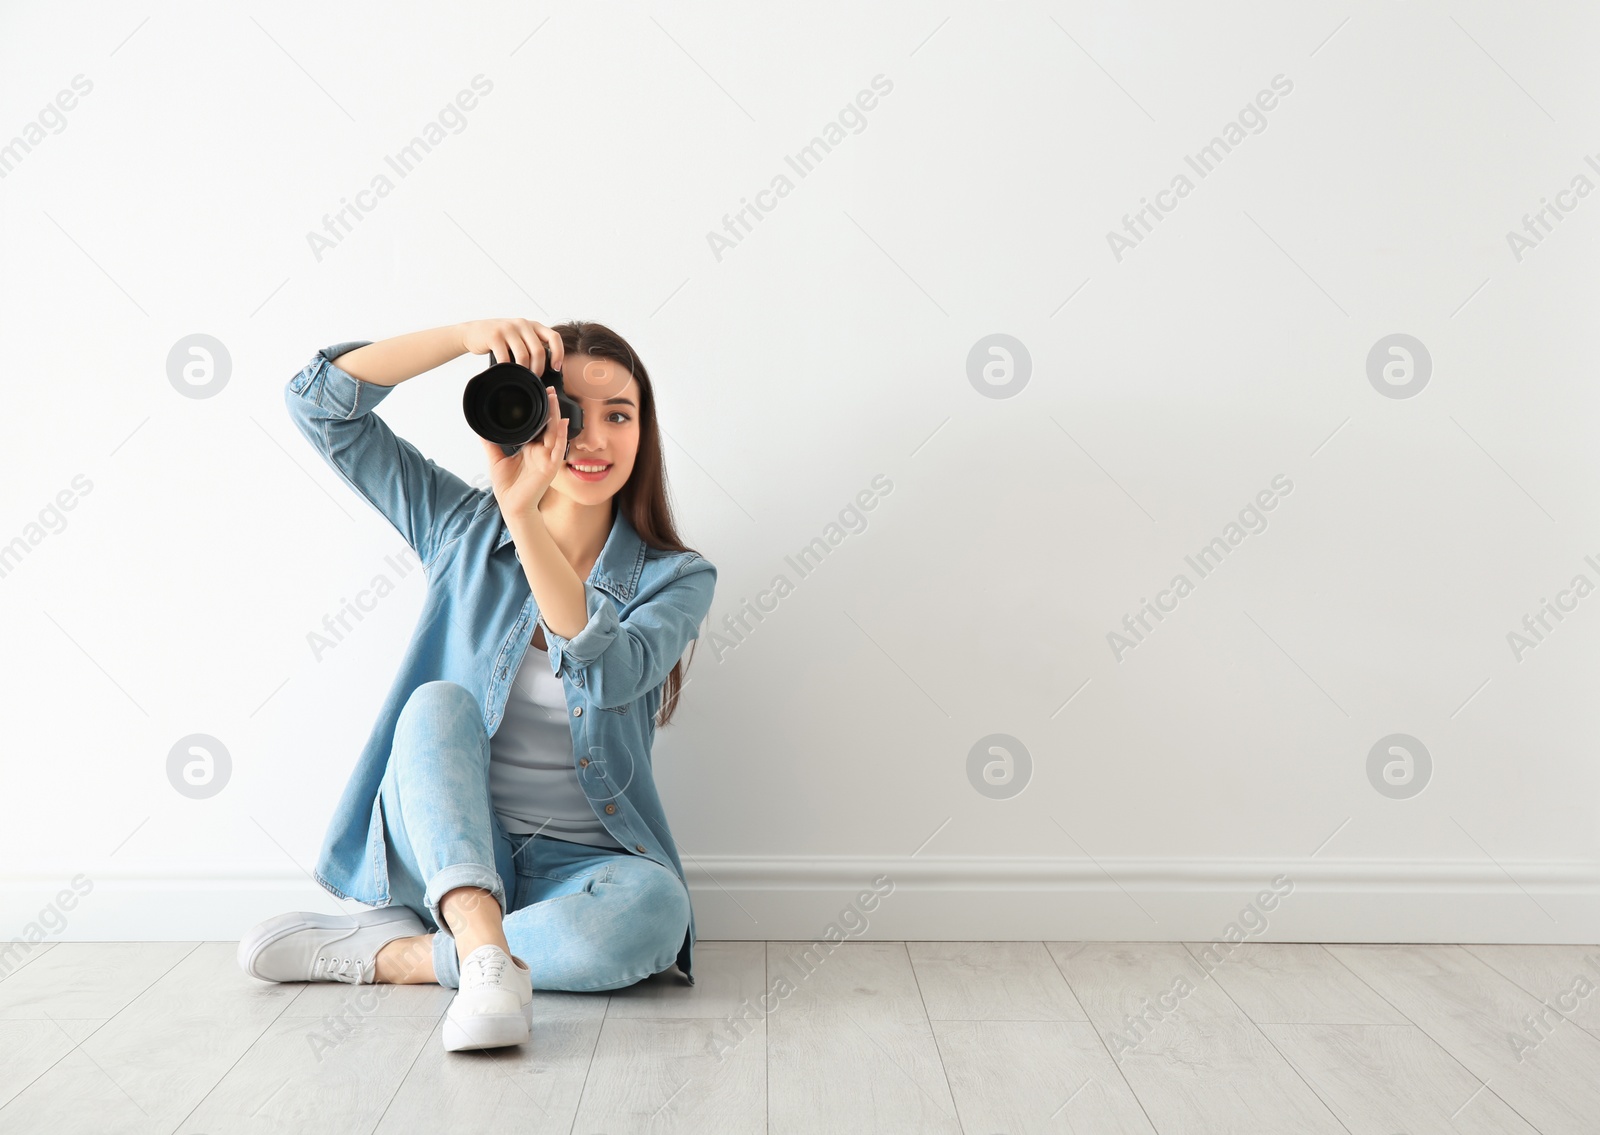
x=644, y=605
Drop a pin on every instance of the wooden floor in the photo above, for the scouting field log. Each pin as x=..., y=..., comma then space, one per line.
x=917, y=1037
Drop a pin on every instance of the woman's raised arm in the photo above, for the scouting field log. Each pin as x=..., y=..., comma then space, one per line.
x=389, y=362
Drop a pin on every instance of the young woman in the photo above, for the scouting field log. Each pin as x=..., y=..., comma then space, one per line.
x=503, y=816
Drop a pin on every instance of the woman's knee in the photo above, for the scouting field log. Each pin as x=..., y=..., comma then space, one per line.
x=652, y=918
x=439, y=697
x=438, y=710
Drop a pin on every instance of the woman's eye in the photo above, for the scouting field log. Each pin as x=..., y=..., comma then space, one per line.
x=619, y=414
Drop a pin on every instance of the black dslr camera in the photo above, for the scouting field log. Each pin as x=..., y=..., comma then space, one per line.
x=507, y=404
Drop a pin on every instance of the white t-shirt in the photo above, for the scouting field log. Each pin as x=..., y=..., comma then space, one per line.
x=533, y=784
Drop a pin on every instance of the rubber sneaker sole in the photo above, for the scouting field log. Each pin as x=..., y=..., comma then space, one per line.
x=488, y=1030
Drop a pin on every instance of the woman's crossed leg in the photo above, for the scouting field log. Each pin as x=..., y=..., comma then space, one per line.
x=581, y=918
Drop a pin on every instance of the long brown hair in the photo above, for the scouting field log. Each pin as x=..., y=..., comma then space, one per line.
x=643, y=497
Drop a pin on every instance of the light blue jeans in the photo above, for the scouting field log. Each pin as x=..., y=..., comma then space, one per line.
x=583, y=918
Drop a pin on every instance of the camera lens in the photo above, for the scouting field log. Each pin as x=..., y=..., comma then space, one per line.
x=509, y=407
x=507, y=404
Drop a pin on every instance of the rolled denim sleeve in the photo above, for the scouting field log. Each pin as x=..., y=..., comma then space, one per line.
x=620, y=660
x=426, y=503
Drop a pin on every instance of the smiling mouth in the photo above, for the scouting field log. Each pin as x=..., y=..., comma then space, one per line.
x=589, y=470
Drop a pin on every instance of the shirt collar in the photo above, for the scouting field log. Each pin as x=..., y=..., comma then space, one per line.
x=620, y=563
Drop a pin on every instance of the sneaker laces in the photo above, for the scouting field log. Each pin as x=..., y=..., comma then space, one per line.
x=488, y=966
x=352, y=970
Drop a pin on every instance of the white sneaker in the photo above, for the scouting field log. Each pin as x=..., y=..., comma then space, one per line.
x=304, y=946
x=494, y=1004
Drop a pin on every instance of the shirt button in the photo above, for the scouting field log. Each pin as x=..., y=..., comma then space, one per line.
x=583, y=762
x=638, y=847
x=577, y=711
x=610, y=808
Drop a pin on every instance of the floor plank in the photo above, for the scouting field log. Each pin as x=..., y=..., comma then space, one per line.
x=1564, y=978
x=727, y=974
x=336, y=1000
x=86, y=1102
x=849, y=1046
x=87, y=979
x=658, y=1074
x=1194, y=1060
x=992, y=981
x=1380, y=1079
x=296, y=1079
x=1033, y=1077
x=527, y=1089
x=161, y=1054
x=28, y=1049
x=1295, y=983
x=1476, y=1015
x=14, y=956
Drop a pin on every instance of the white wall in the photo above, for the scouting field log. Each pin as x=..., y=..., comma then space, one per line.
x=1226, y=352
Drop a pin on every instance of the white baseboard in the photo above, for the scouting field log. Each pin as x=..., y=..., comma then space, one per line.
x=933, y=898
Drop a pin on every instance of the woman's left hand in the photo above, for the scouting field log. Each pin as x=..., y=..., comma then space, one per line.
x=520, y=480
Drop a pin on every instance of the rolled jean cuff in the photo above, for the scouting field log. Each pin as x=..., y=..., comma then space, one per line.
x=446, y=966
x=463, y=875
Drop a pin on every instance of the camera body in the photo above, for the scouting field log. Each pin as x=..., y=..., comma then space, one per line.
x=507, y=404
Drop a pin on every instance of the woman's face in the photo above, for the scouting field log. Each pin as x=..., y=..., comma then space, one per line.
x=609, y=396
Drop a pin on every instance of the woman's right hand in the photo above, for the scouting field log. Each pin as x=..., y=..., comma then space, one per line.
x=518, y=340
